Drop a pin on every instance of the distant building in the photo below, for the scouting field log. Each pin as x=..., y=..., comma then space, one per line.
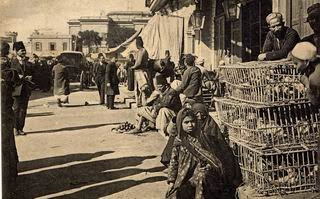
x=9, y=37
x=102, y=24
x=49, y=44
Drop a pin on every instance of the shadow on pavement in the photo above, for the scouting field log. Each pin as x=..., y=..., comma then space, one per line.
x=111, y=188
x=40, y=114
x=46, y=182
x=75, y=128
x=58, y=160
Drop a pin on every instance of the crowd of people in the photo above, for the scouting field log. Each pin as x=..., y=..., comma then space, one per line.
x=200, y=163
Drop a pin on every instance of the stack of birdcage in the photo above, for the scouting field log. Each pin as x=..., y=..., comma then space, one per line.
x=272, y=126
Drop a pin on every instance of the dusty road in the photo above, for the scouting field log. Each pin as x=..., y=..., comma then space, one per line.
x=71, y=153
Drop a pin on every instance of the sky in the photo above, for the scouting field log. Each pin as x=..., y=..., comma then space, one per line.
x=24, y=16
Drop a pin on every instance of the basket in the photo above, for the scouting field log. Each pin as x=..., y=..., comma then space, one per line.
x=264, y=82
x=262, y=125
x=275, y=171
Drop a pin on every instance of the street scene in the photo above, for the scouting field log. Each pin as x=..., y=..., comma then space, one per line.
x=180, y=99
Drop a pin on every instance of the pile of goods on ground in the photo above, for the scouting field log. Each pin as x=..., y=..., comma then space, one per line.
x=125, y=127
x=272, y=126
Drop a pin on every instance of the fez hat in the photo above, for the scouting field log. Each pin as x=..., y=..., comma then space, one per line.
x=304, y=51
x=4, y=49
x=313, y=10
x=18, y=46
x=160, y=79
x=274, y=18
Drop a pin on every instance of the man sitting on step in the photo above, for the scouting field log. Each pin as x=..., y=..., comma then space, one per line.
x=163, y=104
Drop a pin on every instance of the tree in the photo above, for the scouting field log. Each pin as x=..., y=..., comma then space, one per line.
x=117, y=35
x=90, y=38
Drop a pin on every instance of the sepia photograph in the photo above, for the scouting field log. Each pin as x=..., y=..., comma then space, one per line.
x=160, y=99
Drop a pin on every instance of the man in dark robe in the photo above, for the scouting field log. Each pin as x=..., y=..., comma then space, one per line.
x=314, y=21
x=280, y=39
x=9, y=154
x=100, y=71
x=22, y=92
x=112, y=83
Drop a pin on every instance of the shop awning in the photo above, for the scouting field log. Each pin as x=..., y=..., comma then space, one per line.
x=160, y=34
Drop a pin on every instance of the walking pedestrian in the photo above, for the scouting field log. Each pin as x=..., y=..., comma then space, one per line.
x=100, y=71
x=61, y=89
x=22, y=92
x=112, y=83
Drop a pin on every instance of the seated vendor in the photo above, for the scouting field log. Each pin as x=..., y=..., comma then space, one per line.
x=280, y=40
x=304, y=56
x=162, y=106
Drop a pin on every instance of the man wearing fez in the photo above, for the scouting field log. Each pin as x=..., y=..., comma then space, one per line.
x=280, y=39
x=22, y=92
x=314, y=21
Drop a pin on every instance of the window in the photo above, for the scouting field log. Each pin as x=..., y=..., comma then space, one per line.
x=65, y=46
x=52, y=46
x=38, y=46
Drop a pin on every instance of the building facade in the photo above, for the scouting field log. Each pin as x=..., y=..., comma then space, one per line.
x=49, y=44
x=102, y=24
x=211, y=32
x=9, y=37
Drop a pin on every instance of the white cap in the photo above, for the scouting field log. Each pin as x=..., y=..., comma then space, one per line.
x=304, y=51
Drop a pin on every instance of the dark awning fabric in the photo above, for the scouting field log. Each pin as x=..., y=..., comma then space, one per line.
x=122, y=46
x=157, y=5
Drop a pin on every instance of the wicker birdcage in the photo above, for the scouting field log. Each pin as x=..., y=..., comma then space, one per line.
x=264, y=82
x=276, y=125
x=278, y=171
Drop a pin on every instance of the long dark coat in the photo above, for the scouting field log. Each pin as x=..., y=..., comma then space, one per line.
x=9, y=154
x=112, y=78
x=61, y=80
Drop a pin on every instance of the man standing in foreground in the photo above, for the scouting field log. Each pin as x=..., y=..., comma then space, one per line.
x=22, y=92
x=9, y=154
x=280, y=39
